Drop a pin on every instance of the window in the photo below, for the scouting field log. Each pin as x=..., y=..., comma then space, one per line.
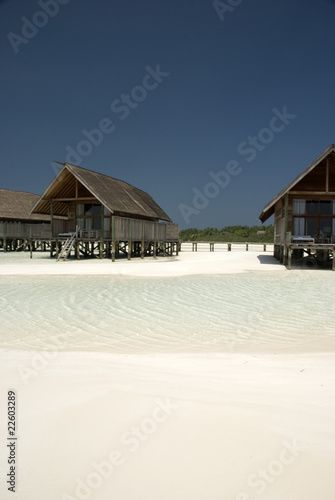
x=312, y=227
x=299, y=207
x=325, y=207
x=88, y=209
x=325, y=227
x=80, y=209
x=89, y=217
x=315, y=218
x=106, y=224
x=299, y=226
x=312, y=207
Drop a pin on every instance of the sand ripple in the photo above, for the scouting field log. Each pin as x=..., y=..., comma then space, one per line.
x=179, y=314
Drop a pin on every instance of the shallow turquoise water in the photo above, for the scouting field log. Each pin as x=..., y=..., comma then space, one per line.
x=184, y=314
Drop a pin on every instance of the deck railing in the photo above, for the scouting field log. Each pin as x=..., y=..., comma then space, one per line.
x=21, y=230
x=125, y=230
x=135, y=230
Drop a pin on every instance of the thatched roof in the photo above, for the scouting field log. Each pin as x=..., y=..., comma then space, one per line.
x=116, y=195
x=329, y=154
x=17, y=205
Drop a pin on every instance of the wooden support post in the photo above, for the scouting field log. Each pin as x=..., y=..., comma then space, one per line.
x=264, y=248
x=142, y=242
x=77, y=250
x=155, y=240
x=285, y=230
x=246, y=247
x=333, y=266
x=5, y=237
x=289, y=266
x=194, y=247
x=102, y=232
x=113, y=238
x=129, y=240
x=31, y=249
x=211, y=247
x=229, y=247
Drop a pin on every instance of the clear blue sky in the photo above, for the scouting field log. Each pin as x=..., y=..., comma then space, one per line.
x=181, y=90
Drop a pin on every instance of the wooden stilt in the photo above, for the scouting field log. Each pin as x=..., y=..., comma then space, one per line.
x=129, y=240
x=5, y=237
x=77, y=252
x=289, y=264
x=113, y=238
x=142, y=241
x=155, y=241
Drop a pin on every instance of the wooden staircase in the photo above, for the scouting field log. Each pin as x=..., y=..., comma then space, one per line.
x=67, y=247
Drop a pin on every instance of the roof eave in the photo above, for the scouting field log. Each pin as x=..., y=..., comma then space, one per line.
x=42, y=197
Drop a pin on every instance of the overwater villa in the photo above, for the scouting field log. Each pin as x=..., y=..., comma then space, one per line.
x=17, y=224
x=97, y=214
x=304, y=215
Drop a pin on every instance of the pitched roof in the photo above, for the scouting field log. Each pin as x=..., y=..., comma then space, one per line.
x=114, y=194
x=268, y=210
x=16, y=205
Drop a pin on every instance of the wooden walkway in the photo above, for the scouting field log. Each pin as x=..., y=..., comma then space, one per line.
x=210, y=245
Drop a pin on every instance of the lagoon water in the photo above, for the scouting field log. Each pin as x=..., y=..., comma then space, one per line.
x=232, y=352
x=126, y=314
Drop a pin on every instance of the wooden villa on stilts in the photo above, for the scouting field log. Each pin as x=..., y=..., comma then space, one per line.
x=104, y=217
x=18, y=227
x=304, y=215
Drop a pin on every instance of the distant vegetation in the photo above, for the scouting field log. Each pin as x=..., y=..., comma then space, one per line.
x=262, y=234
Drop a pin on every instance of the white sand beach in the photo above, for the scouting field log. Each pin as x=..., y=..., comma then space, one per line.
x=207, y=375
x=187, y=263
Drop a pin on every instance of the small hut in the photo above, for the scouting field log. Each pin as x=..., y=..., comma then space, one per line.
x=304, y=214
x=17, y=224
x=104, y=215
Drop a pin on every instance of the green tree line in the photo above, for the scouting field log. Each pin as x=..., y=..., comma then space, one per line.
x=262, y=234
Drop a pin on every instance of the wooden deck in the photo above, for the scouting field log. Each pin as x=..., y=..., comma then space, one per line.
x=128, y=238
x=312, y=254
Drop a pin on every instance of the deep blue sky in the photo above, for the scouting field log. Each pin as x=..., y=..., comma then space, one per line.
x=225, y=79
